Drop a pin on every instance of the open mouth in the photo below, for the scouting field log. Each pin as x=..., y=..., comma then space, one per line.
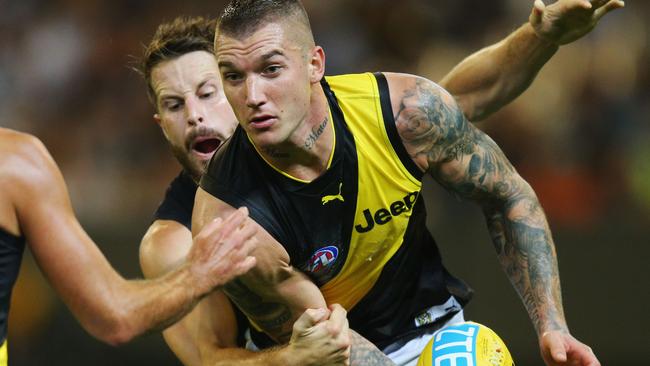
x=206, y=146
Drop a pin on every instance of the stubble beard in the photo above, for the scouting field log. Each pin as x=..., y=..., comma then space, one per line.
x=196, y=168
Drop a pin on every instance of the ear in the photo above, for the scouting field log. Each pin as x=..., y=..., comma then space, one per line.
x=317, y=64
x=156, y=118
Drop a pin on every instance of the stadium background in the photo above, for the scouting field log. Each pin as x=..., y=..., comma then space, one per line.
x=579, y=135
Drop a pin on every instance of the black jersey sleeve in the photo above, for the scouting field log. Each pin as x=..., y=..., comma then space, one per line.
x=179, y=201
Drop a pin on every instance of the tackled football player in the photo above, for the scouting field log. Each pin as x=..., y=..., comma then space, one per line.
x=366, y=140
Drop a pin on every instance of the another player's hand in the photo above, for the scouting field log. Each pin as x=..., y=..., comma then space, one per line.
x=564, y=21
x=222, y=251
x=321, y=337
x=559, y=348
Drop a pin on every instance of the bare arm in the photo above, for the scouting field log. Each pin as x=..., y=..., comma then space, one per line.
x=489, y=79
x=109, y=307
x=466, y=161
x=276, y=296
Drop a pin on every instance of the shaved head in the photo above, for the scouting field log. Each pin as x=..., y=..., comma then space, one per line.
x=242, y=18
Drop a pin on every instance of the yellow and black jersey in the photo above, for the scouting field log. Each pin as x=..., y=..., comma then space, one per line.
x=358, y=230
x=11, y=253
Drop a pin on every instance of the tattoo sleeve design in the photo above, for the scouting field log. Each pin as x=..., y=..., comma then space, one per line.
x=364, y=353
x=273, y=317
x=467, y=162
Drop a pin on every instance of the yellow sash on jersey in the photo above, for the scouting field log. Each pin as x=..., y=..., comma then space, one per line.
x=385, y=186
x=3, y=354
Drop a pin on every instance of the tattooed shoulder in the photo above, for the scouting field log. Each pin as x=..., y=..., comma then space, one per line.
x=428, y=119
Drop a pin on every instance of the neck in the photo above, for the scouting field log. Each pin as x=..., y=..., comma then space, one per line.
x=307, y=152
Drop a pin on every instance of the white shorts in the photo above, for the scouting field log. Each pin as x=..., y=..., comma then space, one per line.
x=408, y=354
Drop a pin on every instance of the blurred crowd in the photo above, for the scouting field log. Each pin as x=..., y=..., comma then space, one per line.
x=579, y=135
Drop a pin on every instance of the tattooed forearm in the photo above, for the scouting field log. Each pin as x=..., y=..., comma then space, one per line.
x=274, y=318
x=364, y=353
x=527, y=255
x=467, y=162
x=315, y=133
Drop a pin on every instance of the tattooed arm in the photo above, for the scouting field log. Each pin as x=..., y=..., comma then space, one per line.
x=466, y=161
x=276, y=297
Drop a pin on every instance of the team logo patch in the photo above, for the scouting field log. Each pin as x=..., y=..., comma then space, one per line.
x=323, y=259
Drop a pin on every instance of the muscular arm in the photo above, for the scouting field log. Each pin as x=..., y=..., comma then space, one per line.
x=469, y=163
x=211, y=326
x=274, y=294
x=108, y=306
x=489, y=79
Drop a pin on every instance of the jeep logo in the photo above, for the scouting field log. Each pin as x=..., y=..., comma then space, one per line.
x=384, y=215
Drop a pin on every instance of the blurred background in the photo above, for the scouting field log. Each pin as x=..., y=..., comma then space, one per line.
x=580, y=135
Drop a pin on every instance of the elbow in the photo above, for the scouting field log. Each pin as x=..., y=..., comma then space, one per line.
x=118, y=337
x=115, y=330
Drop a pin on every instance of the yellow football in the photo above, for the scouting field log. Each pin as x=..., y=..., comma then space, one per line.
x=465, y=344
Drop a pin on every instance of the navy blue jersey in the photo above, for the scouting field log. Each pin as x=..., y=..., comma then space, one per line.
x=179, y=201
x=11, y=254
x=177, y=206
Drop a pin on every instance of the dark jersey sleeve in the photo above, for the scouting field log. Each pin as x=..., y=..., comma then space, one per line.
x=179, y=201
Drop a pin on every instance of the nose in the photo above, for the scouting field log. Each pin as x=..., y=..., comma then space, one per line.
x=194, y=113
x=254, y=93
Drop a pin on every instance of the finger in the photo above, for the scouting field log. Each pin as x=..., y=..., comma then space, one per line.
x=216, y=229
x=212, y=229
x=239, y=245
x=338, y=316
x=234, y=234
x=598, y=3
x=556, y=347
x=585, y=355
x=612, y=5
x=537, y=12
x=584, y=4
x=236, y=218
x=310, y=318
x=245, y=265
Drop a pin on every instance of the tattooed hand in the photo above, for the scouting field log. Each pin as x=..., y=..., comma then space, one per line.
x=467, y=162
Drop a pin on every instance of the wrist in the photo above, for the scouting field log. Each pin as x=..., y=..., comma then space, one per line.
x=542, y=39
x=288, y=355
x=552, y=326
x=193, y=281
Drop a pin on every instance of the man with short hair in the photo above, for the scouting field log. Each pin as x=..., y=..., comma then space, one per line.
x=331, y=171
x=182, y=45
x=35, y=210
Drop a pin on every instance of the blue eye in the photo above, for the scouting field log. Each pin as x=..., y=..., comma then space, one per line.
x=273, y=69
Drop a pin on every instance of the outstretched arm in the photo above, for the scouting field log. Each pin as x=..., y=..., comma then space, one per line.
x=489, y=79
x=108, y=306
x=467, y=162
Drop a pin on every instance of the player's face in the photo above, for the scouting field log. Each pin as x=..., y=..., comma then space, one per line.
x=192, y=109
x=267, y=80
